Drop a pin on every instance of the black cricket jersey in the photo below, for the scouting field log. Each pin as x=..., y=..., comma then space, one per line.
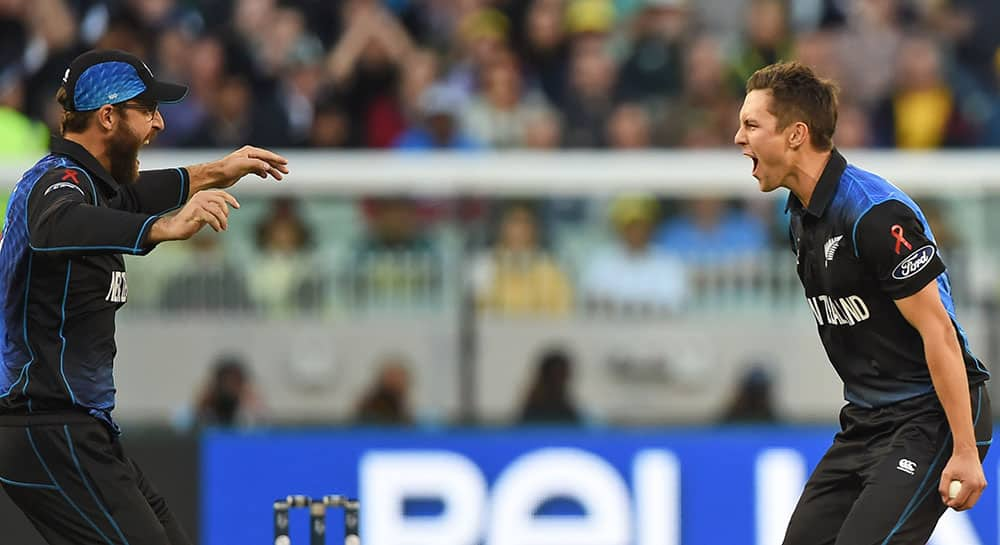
x=62, y=277
x=860, y=245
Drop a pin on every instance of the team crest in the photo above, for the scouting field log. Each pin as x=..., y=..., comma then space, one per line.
x=830, y=248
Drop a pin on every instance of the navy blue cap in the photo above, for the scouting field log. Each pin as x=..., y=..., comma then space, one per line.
x=100, y=77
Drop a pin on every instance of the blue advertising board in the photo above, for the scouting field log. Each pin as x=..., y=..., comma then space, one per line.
x=699, y=486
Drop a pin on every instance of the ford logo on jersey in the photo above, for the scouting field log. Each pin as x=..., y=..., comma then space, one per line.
x=913, y=263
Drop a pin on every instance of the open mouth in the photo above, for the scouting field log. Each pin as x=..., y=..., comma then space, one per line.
x=756, y=162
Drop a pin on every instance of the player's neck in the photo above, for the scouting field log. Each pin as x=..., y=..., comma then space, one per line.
x=93, y=144
x=804, y=174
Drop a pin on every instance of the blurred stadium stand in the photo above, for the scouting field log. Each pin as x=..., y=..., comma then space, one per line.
x=341, y=265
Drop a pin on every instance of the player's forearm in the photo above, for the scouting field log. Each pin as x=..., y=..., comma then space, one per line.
x=204, y=176
x=944, y=359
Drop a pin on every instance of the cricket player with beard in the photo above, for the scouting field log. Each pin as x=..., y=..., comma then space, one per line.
x=62, y=278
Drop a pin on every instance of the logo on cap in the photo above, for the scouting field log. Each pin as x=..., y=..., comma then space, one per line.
x=66, y=76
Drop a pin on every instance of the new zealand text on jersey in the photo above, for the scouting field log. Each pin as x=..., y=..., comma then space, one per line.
x=118, y=292
x=838, y=311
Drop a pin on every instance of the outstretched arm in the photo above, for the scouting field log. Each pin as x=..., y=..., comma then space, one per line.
x=227, y=171
x=157, y=192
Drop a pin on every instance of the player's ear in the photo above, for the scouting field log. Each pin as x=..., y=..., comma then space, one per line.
x=798, y=135
x=106, y=117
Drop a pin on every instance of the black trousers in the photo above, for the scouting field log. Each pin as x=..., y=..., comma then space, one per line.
x=878, y=483
x=70, y=477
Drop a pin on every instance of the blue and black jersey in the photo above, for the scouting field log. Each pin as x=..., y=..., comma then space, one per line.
x=62, y=277
x=860, y=245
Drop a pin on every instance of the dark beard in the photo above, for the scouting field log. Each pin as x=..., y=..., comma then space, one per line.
x=123, y=151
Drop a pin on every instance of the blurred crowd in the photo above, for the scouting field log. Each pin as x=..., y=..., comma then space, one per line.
x=632, y=255
x=230, y=396
x=541, y=74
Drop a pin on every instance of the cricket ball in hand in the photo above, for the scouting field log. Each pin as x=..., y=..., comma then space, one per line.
x=953, y=489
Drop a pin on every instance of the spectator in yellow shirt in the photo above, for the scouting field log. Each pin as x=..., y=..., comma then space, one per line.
x=518, y=276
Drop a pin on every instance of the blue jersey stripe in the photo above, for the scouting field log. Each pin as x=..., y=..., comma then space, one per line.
x=27, y=343
x=62, y=326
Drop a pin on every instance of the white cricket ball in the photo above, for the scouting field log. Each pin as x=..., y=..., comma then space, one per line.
x=953, y=489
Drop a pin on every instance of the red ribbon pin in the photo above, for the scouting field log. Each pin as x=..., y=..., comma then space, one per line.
x=897, y=233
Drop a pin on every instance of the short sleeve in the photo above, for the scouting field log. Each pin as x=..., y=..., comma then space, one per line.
x=896, y=246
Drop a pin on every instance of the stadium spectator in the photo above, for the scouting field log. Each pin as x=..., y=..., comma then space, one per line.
x=632, y=277
x=283, y=259
x=331, y=125
x=543, y=130
x=766, y=40
x=299, y=69
x=629, y=128
x=238, y=116
x=655, y=63
x=922, y=110
x=229, y=398
x=176, y=55
x=440, y=124
x=753, y=400
x=710, y=232
x=591, y=96
x=821, y=50
x=208, y=281
x=420, y=72
x=517, y=276
x=853, y=129
x=869, y=49
x=499, y=115
x=480, y=41
x=544, y=49
x=395, y=264
x=387, y=400
x=702, y=115
x=548, y=399
x=364, y=67
x=50, y=42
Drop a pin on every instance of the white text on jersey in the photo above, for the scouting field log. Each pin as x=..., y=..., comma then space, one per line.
x=118, y=292
x=838, y=311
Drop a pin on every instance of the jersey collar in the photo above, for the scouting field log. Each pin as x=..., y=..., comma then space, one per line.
x=826, y=187
x=80, y=154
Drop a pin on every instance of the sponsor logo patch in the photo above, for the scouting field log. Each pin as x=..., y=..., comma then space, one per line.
x=63, y=185
x=914, y=263
x=907, y=466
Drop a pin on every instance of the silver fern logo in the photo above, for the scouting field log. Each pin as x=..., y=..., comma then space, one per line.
x=830, y=248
